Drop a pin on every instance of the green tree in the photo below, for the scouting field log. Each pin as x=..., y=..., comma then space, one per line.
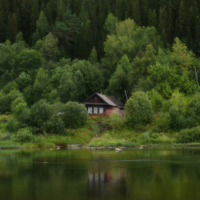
x=34, y=14
x=152, y=18
x=136, y=14
x=139, y=66
x=12, y=28
x=93, y=56
x=48, y=47
x=181, y=56
x=130, y=40
x=139, y=110
x=111, y=24
x=75, y=115
x=39, y=113
x=66, y=30
x=27, y=61
x=119, y=81
x=42, y=28
x=183, y=20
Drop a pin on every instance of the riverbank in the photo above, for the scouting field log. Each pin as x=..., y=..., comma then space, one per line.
x=96, y=134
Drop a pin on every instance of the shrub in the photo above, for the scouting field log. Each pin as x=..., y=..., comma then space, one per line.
x=5, y=136
x=56, y=125
x=13, y=125
x=23, y=114
x=117, y=121
x=7, y=99
x=17, y=101
x=189, y=135
x=177, y=121
x=138, y=109
x=163, y=122
x=24, y=135
x=9, y=87
x=156, y=99
x=39, y=113
x=74, y=114
x=53, y=96
x=166, y=106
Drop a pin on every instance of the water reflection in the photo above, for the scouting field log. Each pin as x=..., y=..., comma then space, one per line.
x=83, y=174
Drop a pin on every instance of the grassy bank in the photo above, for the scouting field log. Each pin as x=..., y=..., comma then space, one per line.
x=96, y=133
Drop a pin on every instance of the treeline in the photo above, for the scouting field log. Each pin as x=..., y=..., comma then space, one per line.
x=80, y=24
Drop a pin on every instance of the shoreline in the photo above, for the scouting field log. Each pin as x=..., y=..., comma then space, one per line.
x=147, y=146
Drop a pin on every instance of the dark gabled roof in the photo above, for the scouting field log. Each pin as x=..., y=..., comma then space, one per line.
x=110, y=100
x=116, y=101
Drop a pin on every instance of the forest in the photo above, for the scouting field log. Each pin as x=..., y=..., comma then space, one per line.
x=55, y=54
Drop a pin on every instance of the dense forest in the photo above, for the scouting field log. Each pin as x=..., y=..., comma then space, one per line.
x=56, y=53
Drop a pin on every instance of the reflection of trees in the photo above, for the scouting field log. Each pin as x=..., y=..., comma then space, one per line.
x=79, y=174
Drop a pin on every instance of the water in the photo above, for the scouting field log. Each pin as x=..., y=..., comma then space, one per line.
x=100, y=175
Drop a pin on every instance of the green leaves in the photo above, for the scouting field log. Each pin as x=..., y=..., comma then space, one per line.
x=138, y=109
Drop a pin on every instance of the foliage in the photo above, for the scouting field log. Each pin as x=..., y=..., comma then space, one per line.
x=24, y=135
x=156, y=99
x=139, y=110
x=27, y=61
x=9, y=87
x=55, y=125
x=7, y=99
x=189, y=135
x=16, y=102
x=117, y=121
x=12, y=126
x=74, y=115
x=39, y=113
x=130, y=39
x=48, y=47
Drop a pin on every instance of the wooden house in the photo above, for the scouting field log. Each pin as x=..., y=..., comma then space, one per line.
x=102, y=105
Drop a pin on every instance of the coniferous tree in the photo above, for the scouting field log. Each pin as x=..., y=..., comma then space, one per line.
x=61, y=11
x=84, y=40
x=163, y=29
x=12, y=28
x=183, y=20
x=3, y=19
x=93, y=56
x=34, y=15
x=136, y=14
x=152, y=18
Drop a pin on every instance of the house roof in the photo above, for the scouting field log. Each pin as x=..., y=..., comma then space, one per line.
x=110, y=100
x=116, y=101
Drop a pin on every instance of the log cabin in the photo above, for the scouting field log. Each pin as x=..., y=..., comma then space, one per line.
x=102, y=105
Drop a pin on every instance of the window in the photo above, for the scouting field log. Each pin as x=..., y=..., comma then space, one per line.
x=116, y=108
x=100, y=110
x=90, y=110
x=95, y=110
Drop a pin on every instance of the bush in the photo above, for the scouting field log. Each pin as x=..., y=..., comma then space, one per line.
x=56, y=125
x=163, y=122
x=24, y=135
x=177, y=121
x=74, y=114
x=156, y=99
x=9, y=87
x=13, y=125
x=138, y=109
x=22, y=113
x=166, y=106
x=17, y=101
x=189, y=135
x=39, y=113
x=5, y=136
x=117, y=121
x=7, y=99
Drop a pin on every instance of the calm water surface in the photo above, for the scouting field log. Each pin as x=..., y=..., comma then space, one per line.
x=96, y=175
